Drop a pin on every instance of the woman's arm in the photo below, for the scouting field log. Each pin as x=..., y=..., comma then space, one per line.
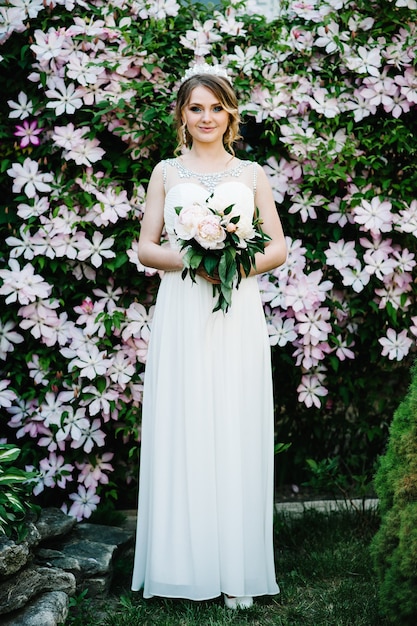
x=150, y=251
x=275, y=252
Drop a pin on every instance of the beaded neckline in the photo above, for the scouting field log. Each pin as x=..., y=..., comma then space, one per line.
x=210, y=181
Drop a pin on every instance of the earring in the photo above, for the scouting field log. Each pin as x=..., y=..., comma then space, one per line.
x=184, y=135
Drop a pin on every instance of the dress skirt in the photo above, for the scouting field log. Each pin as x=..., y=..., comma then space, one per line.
x=205, y=510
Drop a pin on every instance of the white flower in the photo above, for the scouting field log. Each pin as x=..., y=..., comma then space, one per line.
x=31, y=7
x=139, y=322
x=85, y=152
x=8, y=337
x=209, y=233
x=244, y=230
x=22, y=108
x=281, y=331
x=355, y=277
x=80, y=68
x=84, y=502
x=367, y=61
x=48, y=45
x=375, y=216
x=91, y=362
x=341, y=254
x=121, y=370
x=186, y=221
x=62, y=98
x=377, y=262
x=96, y=249
x=23, y=284
x=28, y=178
x=6, y=395
x=245, y=59
x=395, y=346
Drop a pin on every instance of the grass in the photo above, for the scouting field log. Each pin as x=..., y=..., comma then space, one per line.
x=323, y=568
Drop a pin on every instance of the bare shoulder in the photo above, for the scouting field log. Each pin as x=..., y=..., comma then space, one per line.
x=156, y=180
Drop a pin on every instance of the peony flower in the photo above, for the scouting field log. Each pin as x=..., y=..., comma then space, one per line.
x=209, y=233
x=187, y=219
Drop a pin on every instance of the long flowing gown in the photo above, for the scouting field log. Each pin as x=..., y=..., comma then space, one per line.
x=206, y=475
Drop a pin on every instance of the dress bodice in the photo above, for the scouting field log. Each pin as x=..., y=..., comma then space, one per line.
x=235, y=186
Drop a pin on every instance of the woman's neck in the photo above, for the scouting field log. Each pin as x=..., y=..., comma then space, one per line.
x=207, y=158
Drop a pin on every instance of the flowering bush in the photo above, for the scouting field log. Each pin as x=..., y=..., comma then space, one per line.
x=329, y=94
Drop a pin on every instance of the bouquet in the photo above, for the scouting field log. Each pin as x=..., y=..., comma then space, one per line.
x=221, y=241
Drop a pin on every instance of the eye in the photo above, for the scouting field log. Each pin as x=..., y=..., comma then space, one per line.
x=218, y=108
x=195, y=109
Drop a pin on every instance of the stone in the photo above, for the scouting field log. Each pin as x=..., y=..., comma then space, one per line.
x=13, y=556
x=56, y=558
x=17, y=591
x=48, y=609
x=94, y=558
x=111, y=535
x=96, y=587
x=53, y=522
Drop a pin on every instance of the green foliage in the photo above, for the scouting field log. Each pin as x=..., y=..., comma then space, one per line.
x=15, y=490
x=394, y=547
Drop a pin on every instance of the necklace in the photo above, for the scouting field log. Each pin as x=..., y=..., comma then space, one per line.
x=210, y=181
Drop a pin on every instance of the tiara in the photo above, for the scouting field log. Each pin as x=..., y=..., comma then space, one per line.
x=204, y=68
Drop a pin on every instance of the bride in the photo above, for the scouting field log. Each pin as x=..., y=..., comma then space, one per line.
x=206, y=473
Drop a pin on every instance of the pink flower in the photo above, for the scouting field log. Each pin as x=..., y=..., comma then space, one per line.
x=23, y=284
x=93, y=473
x=310, y=390
x=29, y=132
x=187, y=220
x=210, y=234
x=90, y=435
x=84, y=502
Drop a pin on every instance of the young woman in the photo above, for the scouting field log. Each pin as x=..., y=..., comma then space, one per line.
x=206, y=478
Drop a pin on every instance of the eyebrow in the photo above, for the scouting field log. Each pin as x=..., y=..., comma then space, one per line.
x=214, y=104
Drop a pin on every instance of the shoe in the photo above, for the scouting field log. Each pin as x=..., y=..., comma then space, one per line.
x=241, y=602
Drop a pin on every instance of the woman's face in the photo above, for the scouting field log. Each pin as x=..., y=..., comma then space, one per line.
x=205, y=117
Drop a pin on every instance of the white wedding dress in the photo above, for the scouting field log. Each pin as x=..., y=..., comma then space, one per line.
x=206, y=477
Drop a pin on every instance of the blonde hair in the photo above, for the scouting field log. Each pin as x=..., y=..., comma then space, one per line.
x=226, y=96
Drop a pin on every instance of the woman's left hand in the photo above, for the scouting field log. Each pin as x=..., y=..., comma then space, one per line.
x=214, y=280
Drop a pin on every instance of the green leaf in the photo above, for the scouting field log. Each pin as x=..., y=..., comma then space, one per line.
x=210, y=263
x=8, y=453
